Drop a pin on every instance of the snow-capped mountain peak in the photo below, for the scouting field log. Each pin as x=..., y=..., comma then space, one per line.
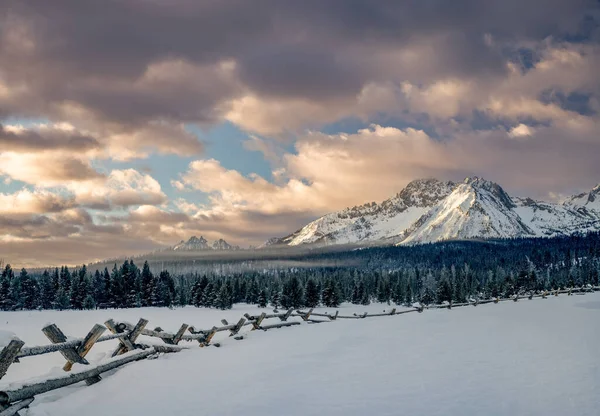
x=429, y=210
x=200, y=244
x=586, y=201
x=371, y=221
x=476, y=208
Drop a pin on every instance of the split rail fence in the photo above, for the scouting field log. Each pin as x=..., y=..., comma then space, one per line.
x=131, y=349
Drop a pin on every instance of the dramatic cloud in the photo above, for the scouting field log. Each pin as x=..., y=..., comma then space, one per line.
x=503, y=89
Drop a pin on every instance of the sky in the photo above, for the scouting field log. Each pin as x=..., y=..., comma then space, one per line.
x=129, y=125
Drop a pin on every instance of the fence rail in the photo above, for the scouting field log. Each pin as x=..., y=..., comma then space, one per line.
x=130, y=350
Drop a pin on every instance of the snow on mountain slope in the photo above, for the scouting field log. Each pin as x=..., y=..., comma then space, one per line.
x=587, y=201
x=201, y=244
x=429, y=210
x=372, y=221
x=475, y=209
x=547, y=219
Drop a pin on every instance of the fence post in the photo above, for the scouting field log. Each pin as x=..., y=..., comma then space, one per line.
x=393, y=312
x=256, y=323
x=85, y=347
x=55, y=335
x=237, y=327
x=9, y=354
x=177, y=337
x=306, y=315
x=73, y=355
x=127, y=341
x=286, y=315
x=334, y=317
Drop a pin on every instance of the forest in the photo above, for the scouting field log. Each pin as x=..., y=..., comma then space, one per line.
x=453, y=271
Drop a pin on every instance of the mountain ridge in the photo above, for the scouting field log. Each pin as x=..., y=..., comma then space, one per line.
x=429, y=210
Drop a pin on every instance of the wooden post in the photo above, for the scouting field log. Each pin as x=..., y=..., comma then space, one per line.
x=124, y=341
x=9, y=354
x=177, y=337
x=208, y=338
x=256, y=323
x=14, y=409
x=334, y=317
x=55, y=335
x=530, y=295
x=73, y=355
x=85, y=347
x=237, y=327
x=128, y=341
x=285, y=316
x=393, y=312
x=87, y=344
x=306, y=315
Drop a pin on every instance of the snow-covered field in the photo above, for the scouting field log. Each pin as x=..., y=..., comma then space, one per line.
x=525, y=358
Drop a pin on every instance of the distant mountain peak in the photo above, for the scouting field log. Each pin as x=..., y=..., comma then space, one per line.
x=200, y=244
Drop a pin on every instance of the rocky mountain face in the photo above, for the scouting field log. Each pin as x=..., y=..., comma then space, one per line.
x=201, y=244
x=371, y=221
x=428, y=210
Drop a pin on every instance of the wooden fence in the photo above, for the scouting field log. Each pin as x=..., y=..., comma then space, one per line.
x=131, y=349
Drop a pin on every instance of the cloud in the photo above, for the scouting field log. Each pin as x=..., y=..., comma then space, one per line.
x=45, y=137
x=453, y=89
x=38, y=201
x=49, y=169
x=522, y=130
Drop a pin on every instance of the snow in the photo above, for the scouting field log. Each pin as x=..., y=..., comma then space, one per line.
x=5, y=338
x=529, y=357
x=428, y=210
x=371, y=222
x=474, y=209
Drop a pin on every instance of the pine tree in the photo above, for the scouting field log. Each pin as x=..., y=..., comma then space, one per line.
x=331, y=295
x=444, y=291
x=61, y=300
x=275, y=295
x=252, y=293
x=292, y=296
x=312, y=294
x=147, y=285
x=29, y=295
x=262, y=299
x=89, y=302
x=408, y=300
x=6, y=302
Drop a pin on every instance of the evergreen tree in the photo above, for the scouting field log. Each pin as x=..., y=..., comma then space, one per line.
x=312, y=294
x=147, y=285
x=224, y=299
x=331, y=295
x=444, y=291
x=89, y=302
x=292, y=296
x=263, y=299
x=6, y=302
x=409, y=295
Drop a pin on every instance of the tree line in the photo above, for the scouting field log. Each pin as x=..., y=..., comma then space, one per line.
x=435, y=273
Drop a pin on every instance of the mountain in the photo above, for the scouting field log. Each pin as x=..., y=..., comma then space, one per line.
x=201, y=244
x=587, y=202
x=428, y=210
x=475, y=209
x=371, y=221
